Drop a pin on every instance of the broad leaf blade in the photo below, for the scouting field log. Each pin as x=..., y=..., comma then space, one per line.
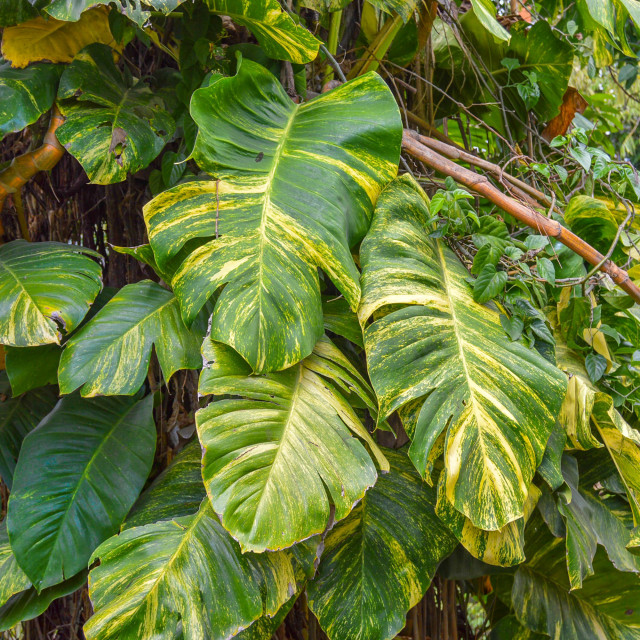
x=44, y=285
x=267, y=233
x=110, y=354
x=25, y=95
x=113, y=127
x=281, y=451
x=379, y=561
x=60, y=511
x=494, y=400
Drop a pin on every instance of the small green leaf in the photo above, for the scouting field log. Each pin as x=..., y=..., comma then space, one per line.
x=596, y=366
x=488, y=284
x=485, y=11
x=513, y=326
x=487, y=254
x=546, y=270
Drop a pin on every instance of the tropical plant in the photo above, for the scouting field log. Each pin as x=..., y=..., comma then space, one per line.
x=319, y=319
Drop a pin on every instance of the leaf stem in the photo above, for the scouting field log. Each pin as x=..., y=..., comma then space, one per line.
x=332, y=42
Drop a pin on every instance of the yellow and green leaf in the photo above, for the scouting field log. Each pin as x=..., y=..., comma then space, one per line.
x=281, y=449
x=433, y=349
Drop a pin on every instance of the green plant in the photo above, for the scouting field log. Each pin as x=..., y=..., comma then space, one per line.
x=276, y=362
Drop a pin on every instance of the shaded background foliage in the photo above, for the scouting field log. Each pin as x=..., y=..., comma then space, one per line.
x=63, y=206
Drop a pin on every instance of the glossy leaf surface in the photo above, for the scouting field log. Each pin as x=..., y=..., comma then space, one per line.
x=379, y=561
x=99, y=453
x=44, y=287
x=281, y=449
x=455, y=371
x=113, y=127
x=268, y=232
x=110, y=354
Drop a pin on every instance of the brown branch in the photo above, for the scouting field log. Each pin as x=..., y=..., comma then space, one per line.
x=454, y=153
x=545, y=226
x=24, y=167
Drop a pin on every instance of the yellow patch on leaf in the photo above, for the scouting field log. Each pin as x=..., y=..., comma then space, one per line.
x=55, y=40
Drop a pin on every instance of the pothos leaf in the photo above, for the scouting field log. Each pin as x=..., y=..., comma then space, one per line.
x=184, y=575
x=492, y=400
x=72, y=10
x=53, y=40
x=14, y=12
x=378, y=562
x=110, y=354
x=269, y=231
x=281, y=448
x=25, y=95
x=280, y=37
x=113, y=127
x=99, y=453
x=44, y=287
x=12, y=578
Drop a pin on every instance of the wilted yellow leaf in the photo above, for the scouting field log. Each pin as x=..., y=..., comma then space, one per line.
x=55, y=40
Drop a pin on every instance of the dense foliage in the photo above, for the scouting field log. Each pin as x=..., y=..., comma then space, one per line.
x=320, y=319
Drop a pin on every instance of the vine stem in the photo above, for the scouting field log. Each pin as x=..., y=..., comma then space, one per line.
x=332, y=42
x=543, y=225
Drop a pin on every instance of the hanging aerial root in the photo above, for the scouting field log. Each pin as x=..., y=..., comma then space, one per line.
x=545, y=226
x=24, y=167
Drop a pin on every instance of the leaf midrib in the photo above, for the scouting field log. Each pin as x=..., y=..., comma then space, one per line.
x=266, y=205
x=82, y=480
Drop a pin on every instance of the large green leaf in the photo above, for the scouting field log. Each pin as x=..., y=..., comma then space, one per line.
x=378, y=562
x=268, y=232
x=114, y=126
x=593, y=519
x=184, y=576
x=485, y=11
x=177, y=491
x=32, y=367
x=25, y=94
x=591, y=220
x=504, y=547
x=280, y=458
x=446, y=362
x=604, y=608
x=110, y=354
x=78, y=474
x=19, y=416
x=45, y=288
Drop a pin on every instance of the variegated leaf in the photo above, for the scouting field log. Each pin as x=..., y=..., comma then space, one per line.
x=311, y=175
x=379, y=561
x=54, y=40
x=98, y=454
x=45, y=288
x=280, y=37
x=110, y=354
x=279, y=455
x=543, y=601
x=447, y=363
x=504, y=547
x=184, y=576
x=18, y=417
x=71, y=10
x=114, y=126
x=25, y=94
